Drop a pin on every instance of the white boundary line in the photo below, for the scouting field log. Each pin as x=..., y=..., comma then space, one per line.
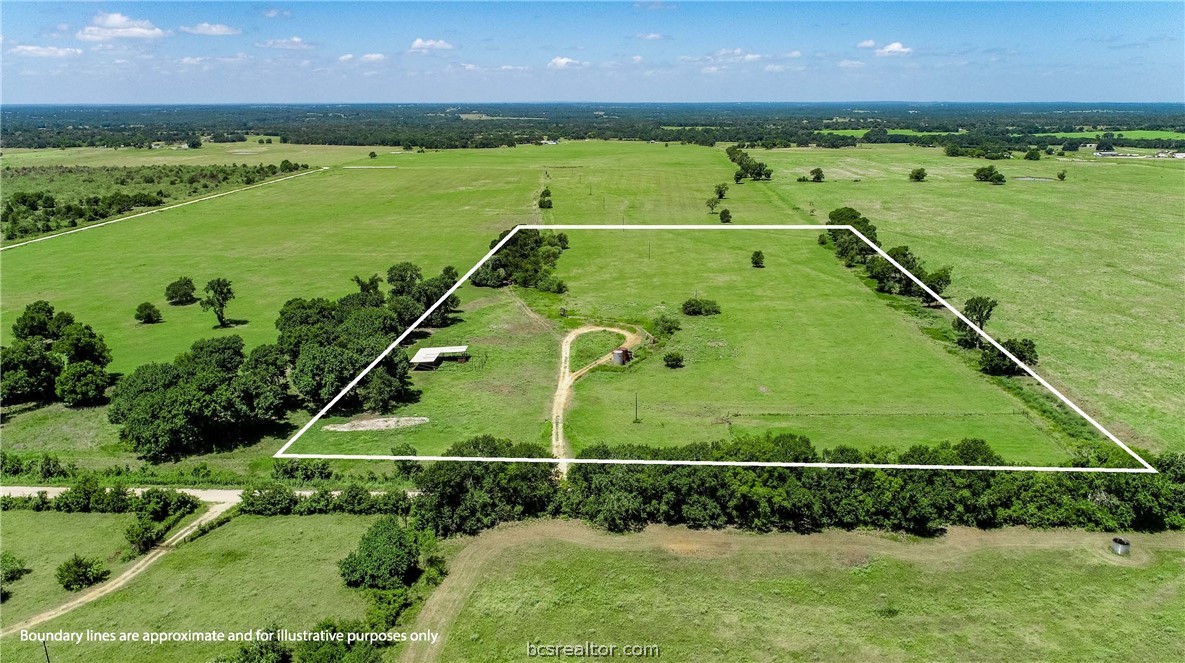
x=155, y=210
x=1145, y=469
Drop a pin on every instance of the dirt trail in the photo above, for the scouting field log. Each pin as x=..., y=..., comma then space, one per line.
x=568, y=378
x=851, y=549
x=98, y=591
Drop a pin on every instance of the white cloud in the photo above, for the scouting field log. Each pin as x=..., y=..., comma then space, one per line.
x=44, y=51
x=867, y=43
x=651, y=36
x=345, y=58
x=896, y=48
x=751, y=57
x=636, y=59
x=774, y=68
x=512, y=67
x=469, y=67
x=277, y=13
x=372, y=57
x=105, y=27
x=561, y=62
x=211, y=29
x=794, y=54
x=851, y=64
x=290, y=44
x=193, y=61
x=711, y=70
x=423, y=46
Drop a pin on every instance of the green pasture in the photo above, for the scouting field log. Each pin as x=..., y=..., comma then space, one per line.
x=801, y=346
x=1090, y=268
x=250, y=152
x=590, y=347
x=46, y=539
x=836, y=597
x=250, y=573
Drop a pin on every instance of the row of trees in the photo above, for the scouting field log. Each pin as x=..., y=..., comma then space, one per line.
x=40, y=200
x=53, y=358
x=854, y=251
x=464, y=498
x=747, y=166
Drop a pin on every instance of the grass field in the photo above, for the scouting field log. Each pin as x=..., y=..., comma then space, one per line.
x=1100, y=299
x=802, y=347
x=250, y=152
x=505, y=389
x=247, y=574
x=838, y=596
x=1090, y=268
x=45, y=540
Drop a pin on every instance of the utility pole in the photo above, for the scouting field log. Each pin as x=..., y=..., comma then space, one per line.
x=635, y=407
x=45, y=647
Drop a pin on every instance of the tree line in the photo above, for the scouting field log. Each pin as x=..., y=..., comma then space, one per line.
x=41, y=199
x=53, y=358
x=853, y=251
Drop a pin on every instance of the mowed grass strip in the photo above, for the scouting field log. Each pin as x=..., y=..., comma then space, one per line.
x=250, y=573
x=801, y=346
x=836, y=596
x=46, y=539
x=1090, y=268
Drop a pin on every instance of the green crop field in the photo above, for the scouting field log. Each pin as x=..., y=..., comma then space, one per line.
x=1005, y=595
x=247, y=574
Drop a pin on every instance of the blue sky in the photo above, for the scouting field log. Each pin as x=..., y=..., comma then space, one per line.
x=211, y=52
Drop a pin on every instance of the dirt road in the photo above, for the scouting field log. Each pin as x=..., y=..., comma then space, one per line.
x=218, y=502
x=485, y=551
x=568, y=378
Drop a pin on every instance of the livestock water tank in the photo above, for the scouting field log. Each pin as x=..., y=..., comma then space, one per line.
x=1121, y=546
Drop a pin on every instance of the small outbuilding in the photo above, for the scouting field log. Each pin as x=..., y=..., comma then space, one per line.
x=431, y=358
x=622, y=356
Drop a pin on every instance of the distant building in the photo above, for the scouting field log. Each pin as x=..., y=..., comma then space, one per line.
x=1106, y=154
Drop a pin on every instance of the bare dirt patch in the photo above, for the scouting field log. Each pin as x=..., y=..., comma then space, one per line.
x=380, y=423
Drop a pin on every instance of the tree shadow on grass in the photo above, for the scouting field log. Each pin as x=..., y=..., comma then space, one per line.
x=232, y=322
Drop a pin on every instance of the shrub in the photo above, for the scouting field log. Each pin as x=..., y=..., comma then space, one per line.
x=665, y=325
x=673, y=359
x=698, y=306
x=725, y=216
x=917, y=175
x=148, y=314
x=354, y=499
x=81, y=383
x=758, y=259
x=181, y=292
x=387, y=557
x=1033, y=155
x=78, y=573
x=816, y=174
x=1061, y=176
x=268, y=500
x=12, y=568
